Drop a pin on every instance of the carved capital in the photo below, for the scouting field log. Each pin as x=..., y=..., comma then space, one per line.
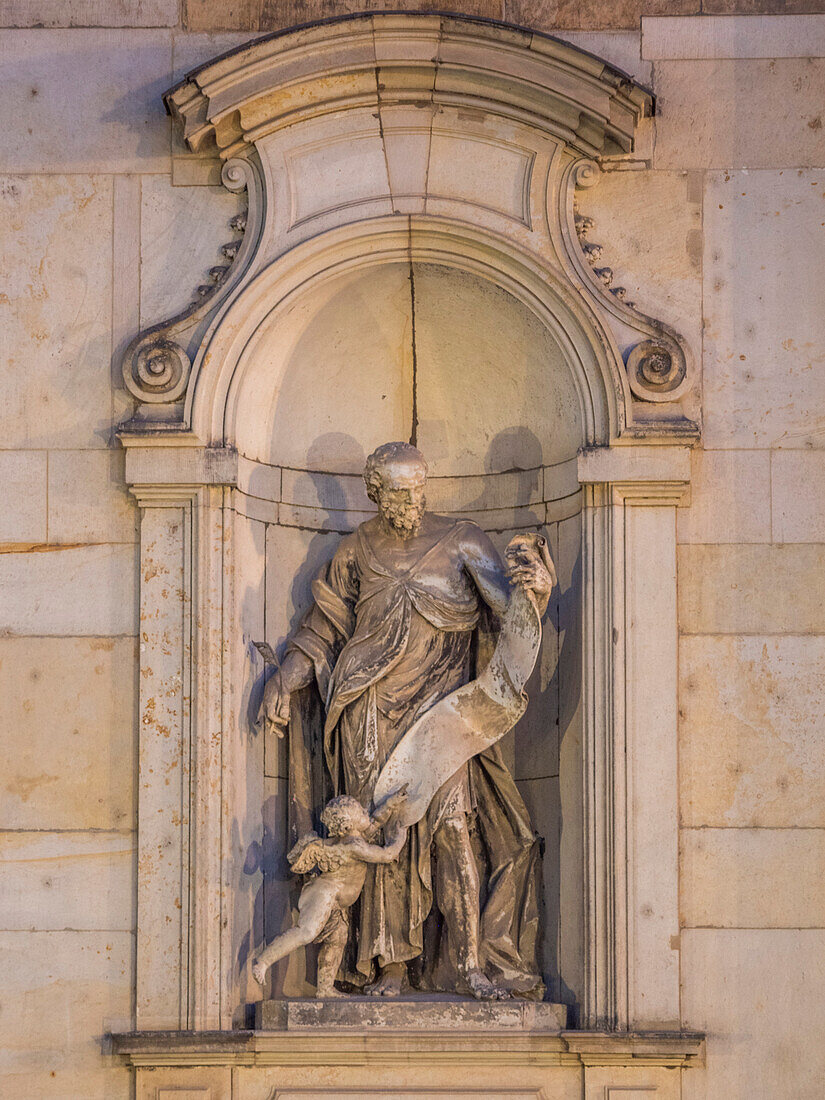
x=643, y=475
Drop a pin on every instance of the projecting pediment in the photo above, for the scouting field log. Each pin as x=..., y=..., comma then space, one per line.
x=429, y=62
x=432, y=138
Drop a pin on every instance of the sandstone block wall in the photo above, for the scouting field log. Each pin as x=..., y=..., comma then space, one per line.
x=721, y=232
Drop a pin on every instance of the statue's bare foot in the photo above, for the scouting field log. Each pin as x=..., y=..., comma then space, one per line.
x=259, y=970
x=388, y=983
x=482, y=988
x=328, y=994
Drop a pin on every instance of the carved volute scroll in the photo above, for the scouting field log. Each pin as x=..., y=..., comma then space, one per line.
x=656, y=366
x=156, y=364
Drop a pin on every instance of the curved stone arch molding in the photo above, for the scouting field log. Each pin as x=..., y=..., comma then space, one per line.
x=433, y=59
x=156, y=364
x=588, y=347
x=659, y=366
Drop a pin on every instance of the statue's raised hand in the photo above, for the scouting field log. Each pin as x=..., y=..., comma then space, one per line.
x=529, y=564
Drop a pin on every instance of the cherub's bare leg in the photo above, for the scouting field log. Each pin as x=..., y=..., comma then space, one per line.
x=329, y=962
x=314, y=910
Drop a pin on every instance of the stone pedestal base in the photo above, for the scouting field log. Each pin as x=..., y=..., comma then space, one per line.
x=411, y=1014
x=437, y=1050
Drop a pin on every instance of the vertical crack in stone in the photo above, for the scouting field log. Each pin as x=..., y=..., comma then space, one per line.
x=414, y=418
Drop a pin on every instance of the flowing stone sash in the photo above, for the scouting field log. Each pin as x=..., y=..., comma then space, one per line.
x=469, y=719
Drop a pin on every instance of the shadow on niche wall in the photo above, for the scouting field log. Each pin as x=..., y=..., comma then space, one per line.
x=513, y=450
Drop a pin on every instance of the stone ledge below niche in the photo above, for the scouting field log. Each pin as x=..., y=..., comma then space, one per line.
x=410, y=1014
x=374, y=1045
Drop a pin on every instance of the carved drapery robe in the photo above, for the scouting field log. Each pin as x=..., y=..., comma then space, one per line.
x=389, y=637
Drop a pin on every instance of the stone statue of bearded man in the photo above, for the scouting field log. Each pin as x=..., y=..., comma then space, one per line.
x=402, y=616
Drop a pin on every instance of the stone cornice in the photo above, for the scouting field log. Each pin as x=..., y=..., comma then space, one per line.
x=385, y=59
x=382, y=1047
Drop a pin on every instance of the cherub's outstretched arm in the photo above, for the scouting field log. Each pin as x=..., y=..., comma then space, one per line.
x=385, y=810
x=377, y=853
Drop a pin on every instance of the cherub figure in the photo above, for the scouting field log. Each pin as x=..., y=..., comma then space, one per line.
x=338, y=867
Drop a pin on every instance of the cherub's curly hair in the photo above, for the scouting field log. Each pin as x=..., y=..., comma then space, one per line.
x=339, y=812
x=384, y=455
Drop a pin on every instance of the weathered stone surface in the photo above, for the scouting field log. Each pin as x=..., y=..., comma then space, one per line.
x=405, y=1014
x=102, y=87
x=620, y=48
x=542, y=798
x=191, y=49
x=88, y=498
x=551, y=15
x=631, y=1083
x=730, y=498
x=635, y=464
x=761, y=7
x=565, y=615
x=174, y=1083
x=328, y=492
x=23, y=478
x=751, y=589
x=67, y=880
x=294, y=558
x=69, y=590
x=356, y=328
x=212, y=15
x=463, y=1069
x=752, y=878
x=125, y=278
x=750, y=746
x=657, y=260
x=55, y=309
x=182, y=230
x=764, y=347
x=63, y=992
x=780, y=36
x=760, y=996
x=67, y=709
x=245, y=755
x=88, y=13
x=798, y=495
x=274, y=15
x=493, y=390
x=698, y=130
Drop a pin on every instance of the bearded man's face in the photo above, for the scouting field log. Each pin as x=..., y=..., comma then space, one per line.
x=401, y=499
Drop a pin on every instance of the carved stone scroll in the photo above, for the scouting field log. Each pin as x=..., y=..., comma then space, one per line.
x=469, y=720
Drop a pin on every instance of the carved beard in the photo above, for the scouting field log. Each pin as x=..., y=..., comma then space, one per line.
x=403, y=518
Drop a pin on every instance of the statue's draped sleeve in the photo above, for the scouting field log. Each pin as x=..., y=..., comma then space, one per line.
x=324, y=631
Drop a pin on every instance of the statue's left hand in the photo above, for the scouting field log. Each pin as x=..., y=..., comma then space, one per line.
x=530, y=565
x=275, y=704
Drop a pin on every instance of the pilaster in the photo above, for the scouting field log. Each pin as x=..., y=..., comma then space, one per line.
x=630, y=773
x=181, y=492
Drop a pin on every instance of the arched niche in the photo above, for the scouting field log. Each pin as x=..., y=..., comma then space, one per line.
x=457, y=170
x=408, y=349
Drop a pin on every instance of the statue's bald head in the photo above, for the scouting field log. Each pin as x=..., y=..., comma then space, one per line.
x=395, y=476
x=391, y=463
